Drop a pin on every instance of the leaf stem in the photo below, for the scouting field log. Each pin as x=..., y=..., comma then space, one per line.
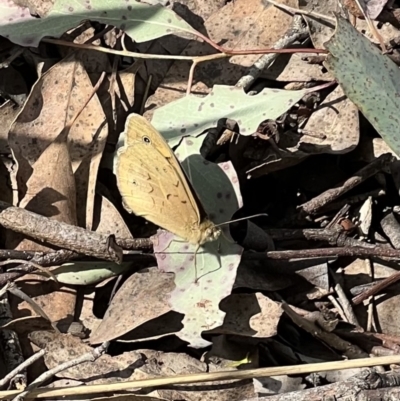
x=198, y=59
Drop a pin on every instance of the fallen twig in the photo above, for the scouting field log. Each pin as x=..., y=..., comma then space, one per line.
x=314, y=205
x=361, y=387
x=38, y=258
x=333, y=252
x=21, y=367
x=88, y=357
x=333, y=340
x=59, y=234
x=378, y=287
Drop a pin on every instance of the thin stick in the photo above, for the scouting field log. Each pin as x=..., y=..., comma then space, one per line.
x=29, y=263
x=146, y=94
x=362, y=7
x=22, y=367
x=15, y=52
x=315, y=204
x=339, y=309
x=191, y=77
x=370, y=313
x=346, y=305
x=94, y=90
x=379, y=286
x=378, y=251
x=295, y=33
x=206, y=377
x=371, y=299
x=195, y=59
x=4, y=289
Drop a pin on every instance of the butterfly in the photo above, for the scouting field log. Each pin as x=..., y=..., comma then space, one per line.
x=153, y=185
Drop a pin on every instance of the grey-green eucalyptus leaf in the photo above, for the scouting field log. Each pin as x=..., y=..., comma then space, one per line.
x=369, y=78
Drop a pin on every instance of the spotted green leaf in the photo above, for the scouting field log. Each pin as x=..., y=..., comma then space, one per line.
x=369, y=78
x=141, y=21
x=191, y=114
x=200, y=288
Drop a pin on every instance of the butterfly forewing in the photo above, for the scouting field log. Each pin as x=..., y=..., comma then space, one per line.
x=152, y=182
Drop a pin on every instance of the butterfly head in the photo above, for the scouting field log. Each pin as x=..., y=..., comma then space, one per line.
x=208, y=232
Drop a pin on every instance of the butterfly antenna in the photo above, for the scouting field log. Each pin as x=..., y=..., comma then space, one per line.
x=242, y=218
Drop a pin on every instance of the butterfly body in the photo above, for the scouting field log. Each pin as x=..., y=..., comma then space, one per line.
x=153, y=185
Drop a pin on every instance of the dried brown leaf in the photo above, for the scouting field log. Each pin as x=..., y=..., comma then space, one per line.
x=57, y=302
x=54, y=100
x=253, y=315
x=105, y=369
x=269, y=386
x=322, y=32
x=8, y=112
x=147, y=287
x=52, y=194
x=241, y=24
x=332, y=128
x=161, y=364
x=295, y=68
x=108, y=220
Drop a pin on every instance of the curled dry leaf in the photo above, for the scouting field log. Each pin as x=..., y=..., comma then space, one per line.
x=89, y=273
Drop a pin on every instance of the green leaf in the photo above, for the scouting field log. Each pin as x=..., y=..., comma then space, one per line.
x=216, y=262
x=191, y=115
x=370, y=79
x=86, y=273
x=141, y=21
x=12, y=14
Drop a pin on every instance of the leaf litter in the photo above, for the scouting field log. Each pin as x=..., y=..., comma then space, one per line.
x=313, y=278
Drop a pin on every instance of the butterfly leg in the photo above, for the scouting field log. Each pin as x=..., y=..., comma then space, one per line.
x=173, y=240
x=195, y=264
x=212, y=271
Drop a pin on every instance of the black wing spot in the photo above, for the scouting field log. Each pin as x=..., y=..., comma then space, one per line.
x=146, y=139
